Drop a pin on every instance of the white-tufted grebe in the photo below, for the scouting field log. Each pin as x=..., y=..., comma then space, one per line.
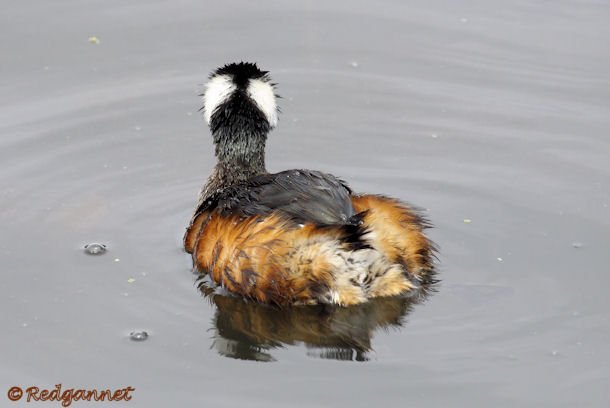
x=298, y=236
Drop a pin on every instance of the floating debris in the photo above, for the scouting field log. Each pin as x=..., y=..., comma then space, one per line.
x=138, y=335
x=95, y=249
x=94, y=40
x=467, y=220
x=434, y=136
x=117, y=260
x=577, y=245
x=131, y=280
x=499, y=259
x=354, y=64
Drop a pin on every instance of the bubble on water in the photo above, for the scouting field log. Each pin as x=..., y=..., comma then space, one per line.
x=354, y=64
x=138, y=335
x=554, y=353
x=95, y=249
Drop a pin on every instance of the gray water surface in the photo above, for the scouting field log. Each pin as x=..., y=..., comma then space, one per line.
x=493, y=116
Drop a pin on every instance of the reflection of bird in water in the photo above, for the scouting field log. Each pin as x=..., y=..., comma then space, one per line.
x=250, y=330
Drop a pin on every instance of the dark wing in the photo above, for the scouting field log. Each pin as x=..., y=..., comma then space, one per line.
x=302, y=195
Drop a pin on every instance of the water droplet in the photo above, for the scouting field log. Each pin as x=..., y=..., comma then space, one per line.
x=138, y=335
x=95, y=249
x=577, y=244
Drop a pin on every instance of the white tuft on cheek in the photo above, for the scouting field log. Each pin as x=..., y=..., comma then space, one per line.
x=217, y=90
x=263, y=95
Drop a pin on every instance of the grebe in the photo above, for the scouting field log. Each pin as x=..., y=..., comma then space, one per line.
x=298, y=236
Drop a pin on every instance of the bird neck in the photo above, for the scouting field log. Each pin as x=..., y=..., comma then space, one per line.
x=240, y=156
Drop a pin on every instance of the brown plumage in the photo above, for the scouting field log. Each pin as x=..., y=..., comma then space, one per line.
x=299, y=236
x=398, y=233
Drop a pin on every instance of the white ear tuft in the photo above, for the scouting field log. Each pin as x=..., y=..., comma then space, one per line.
x=262, y=93
x=217, y=90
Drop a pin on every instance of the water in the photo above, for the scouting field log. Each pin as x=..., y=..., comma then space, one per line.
x=138, y=335
x=493, y=113
x=95, y=249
